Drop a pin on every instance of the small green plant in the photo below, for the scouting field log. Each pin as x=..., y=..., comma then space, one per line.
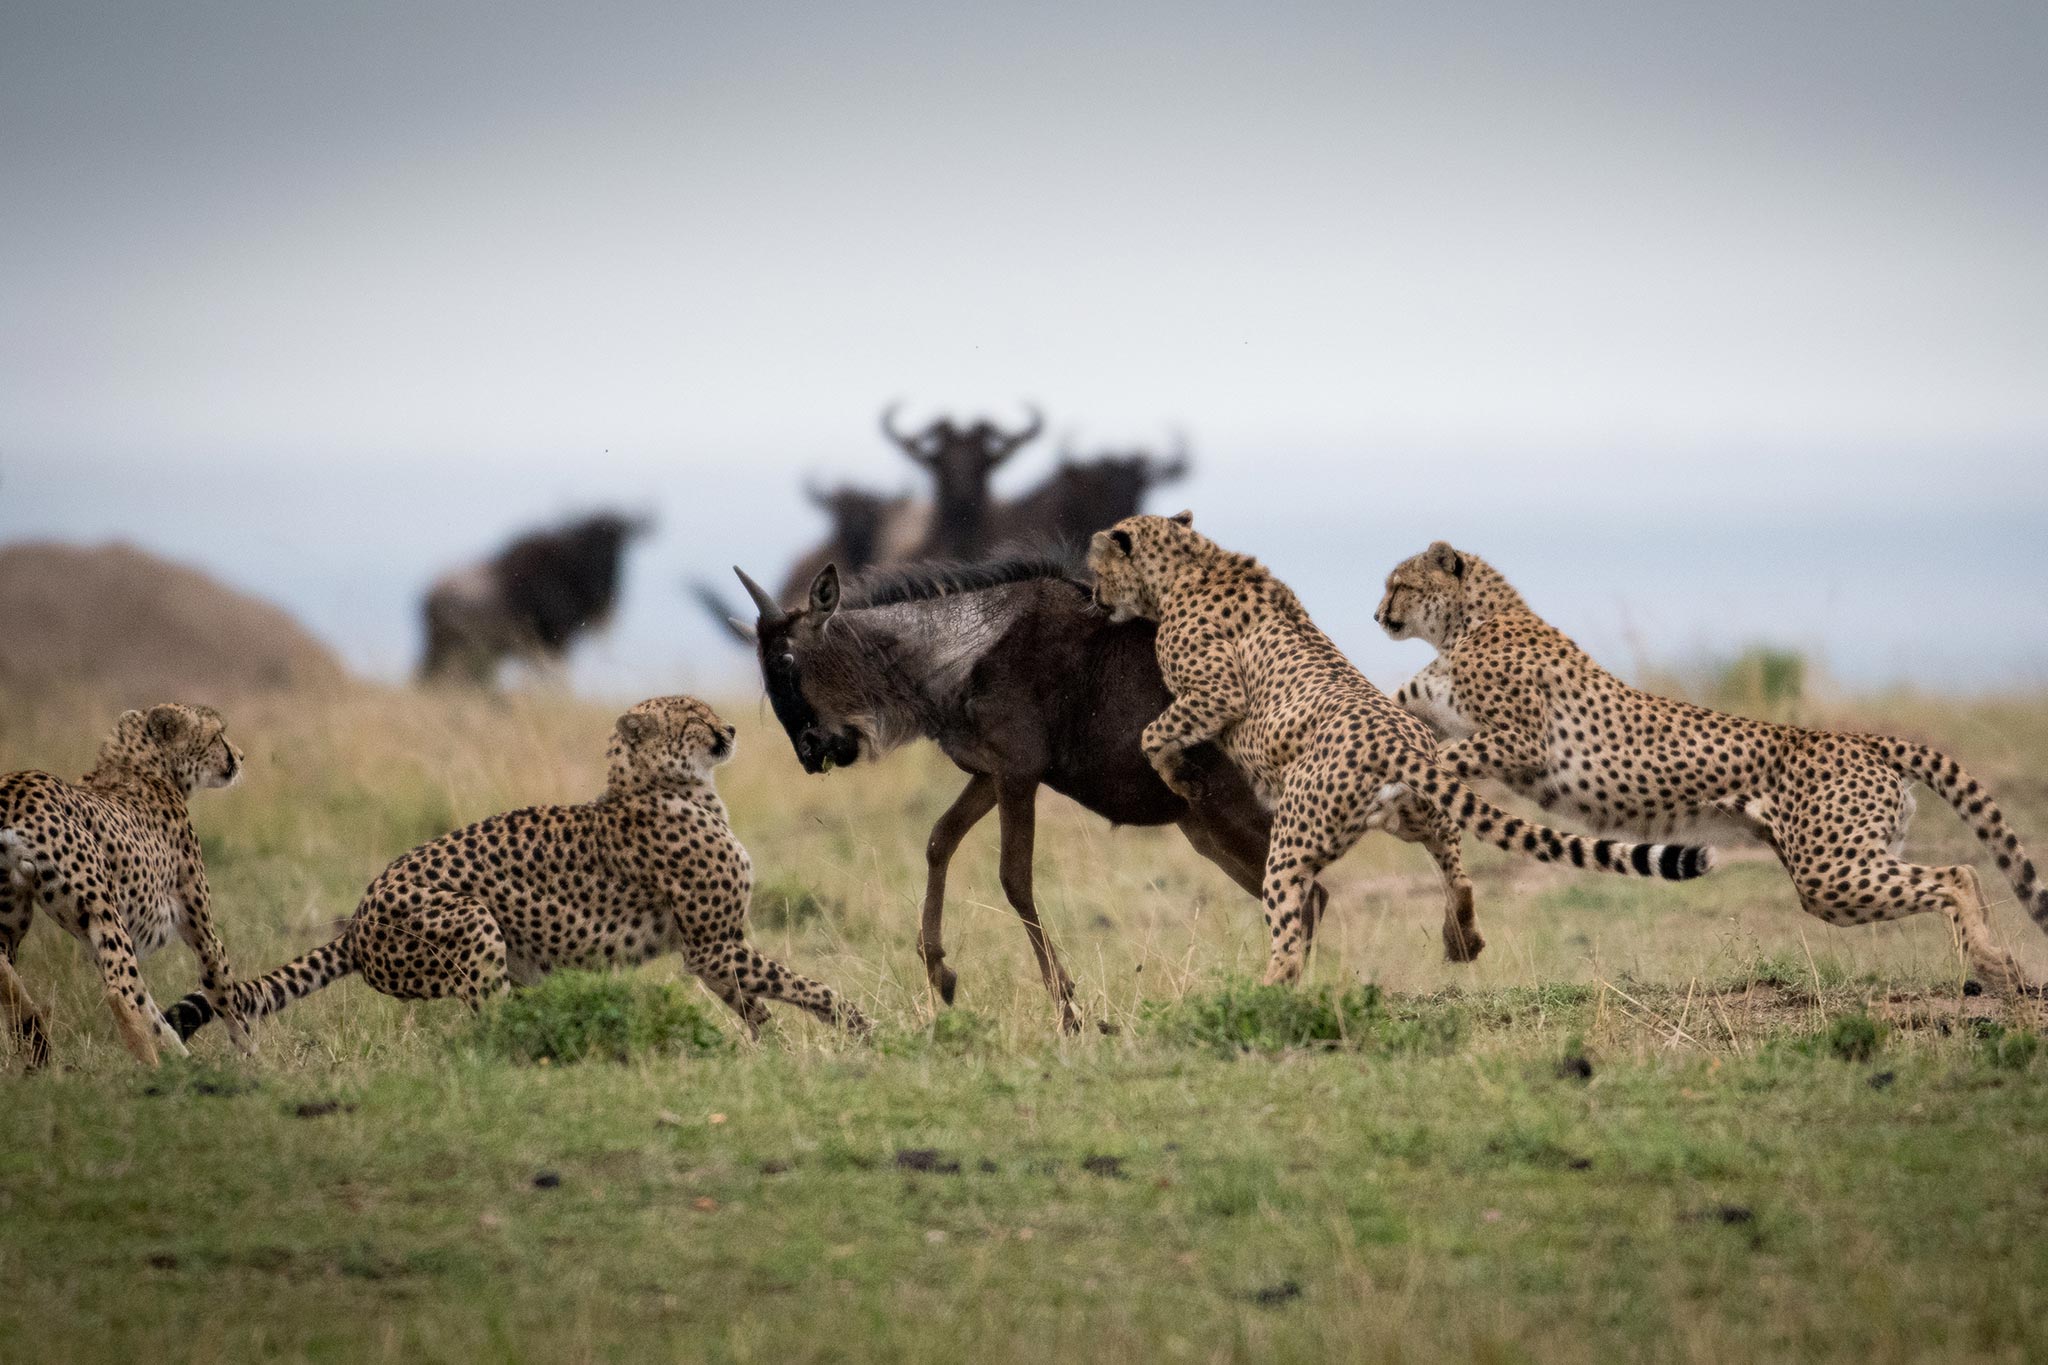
x=578, y=1016
x=1852, y=1038
x=1242, y=1017
x=2007, y=1049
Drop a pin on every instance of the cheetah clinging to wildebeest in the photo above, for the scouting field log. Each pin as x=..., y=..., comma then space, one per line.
x=1323, y=747
x=648, y=868
x=113, y=860
x=1525, y=706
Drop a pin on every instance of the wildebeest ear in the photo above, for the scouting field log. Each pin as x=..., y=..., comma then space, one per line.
x=825, y=591
x=1447, y=559
x=1185, y=516
x=635, y=726
x=743, y=629
x=166, y=722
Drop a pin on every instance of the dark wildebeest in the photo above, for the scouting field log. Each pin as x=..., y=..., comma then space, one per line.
x=864, y=524
x=534, y=598
x=1080, y=498
x=1017, y=677
x=960, y=459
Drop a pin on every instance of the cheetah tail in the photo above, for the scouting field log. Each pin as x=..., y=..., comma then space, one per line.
x=1944, y=776
x=266, y=995
x=1476, y=815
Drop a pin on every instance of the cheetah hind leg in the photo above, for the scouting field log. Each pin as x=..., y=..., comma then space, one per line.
x=23, y=1016
x=449, y=946
x=751, y=1011
x=1417, y=822
x=760, y=978
x=1895, y=889
x=1462, y=941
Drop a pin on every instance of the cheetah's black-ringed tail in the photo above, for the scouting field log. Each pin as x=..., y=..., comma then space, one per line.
x=267, y=994
x=1476, y=815
x=1946, y=777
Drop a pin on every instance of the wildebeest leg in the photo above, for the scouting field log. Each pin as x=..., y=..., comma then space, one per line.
x=976, y=800
x=1230, y=828
x=1017, y=799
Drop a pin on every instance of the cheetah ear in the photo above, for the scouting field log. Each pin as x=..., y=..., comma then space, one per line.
x=1186, y=516
x=1122, y=541
x=166, y=723
x=1447, y=559
x=635, y=726
x=825, y=592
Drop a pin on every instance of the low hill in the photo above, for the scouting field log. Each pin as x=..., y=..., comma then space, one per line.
x=124, y=623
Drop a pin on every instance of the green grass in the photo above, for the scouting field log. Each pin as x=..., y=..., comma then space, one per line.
x=1651, y=1123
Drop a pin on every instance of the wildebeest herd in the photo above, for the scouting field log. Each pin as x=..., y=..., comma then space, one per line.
x=1169, y=681
x=546, y=589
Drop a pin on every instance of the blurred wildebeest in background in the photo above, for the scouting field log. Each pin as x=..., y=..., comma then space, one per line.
x=867, y=528
x=1020, y=680
x=960, y=460
x=533, y=599
x=1081, y=497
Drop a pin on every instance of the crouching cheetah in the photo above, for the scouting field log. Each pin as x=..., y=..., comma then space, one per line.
x=1322, y=747
x=1524, y=705
x=113, y=860
x=648, y=868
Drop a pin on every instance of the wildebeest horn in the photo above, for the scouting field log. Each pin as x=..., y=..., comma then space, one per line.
x=1012, y=440
x=817, y=493
x=763, y=603
x=906, y=443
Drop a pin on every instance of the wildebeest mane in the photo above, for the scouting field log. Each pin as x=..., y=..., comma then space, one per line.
x=886, y=587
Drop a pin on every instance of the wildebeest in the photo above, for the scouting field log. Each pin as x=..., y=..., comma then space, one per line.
x=1017, y=677
x=866, y=530
x=960, y=459
x=1081, y=497
x=534, y=598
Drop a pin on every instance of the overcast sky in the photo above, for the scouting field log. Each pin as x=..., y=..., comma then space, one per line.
x=1764, y=283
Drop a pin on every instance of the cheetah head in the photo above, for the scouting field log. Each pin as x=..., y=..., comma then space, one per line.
x=1425, y=597
x=665, y=740
x=1133, y=558
x=186, y=744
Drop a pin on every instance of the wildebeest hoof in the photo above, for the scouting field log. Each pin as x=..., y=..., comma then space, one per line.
x=944, y=981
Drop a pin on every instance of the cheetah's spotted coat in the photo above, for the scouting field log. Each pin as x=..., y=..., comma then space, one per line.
x=113, y=860
x=650, y=867
x=1320, y=744
x=1522, y=704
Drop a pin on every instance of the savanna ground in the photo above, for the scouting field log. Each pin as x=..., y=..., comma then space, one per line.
x=1651, y=1123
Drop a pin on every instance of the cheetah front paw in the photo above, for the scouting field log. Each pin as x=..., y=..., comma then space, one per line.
x=1182, y=777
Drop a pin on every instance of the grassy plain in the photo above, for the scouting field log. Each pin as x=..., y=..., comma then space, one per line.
x=1655, y=1123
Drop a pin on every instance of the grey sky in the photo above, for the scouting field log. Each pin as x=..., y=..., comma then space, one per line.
x=1627, y=256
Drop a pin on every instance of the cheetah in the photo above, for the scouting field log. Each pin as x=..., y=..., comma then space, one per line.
x=1518, y=702
x=114, y=861
x=1323, y=748
x=650, y=867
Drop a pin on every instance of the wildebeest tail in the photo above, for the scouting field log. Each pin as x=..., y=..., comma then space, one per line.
x=267, y=994
x=1973, y=803
x=1476, y=815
